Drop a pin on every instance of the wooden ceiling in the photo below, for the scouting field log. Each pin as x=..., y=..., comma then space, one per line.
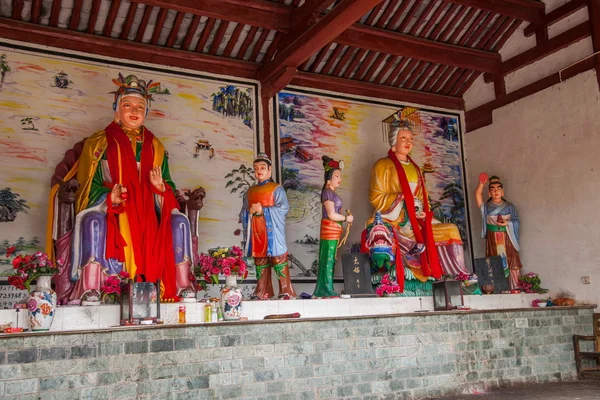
x=424, y=51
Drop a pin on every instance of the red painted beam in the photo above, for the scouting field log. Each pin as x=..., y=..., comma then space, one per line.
x=394, y=74
x=332, y=59
x=259, y=13
x=399, y=44
x=75, y=15
x=542, y=50
x=318, y=59
x=364, y=65
x=259, y=44
x=94, y=44
x=128, y=21
x=556, y=15
x=112, y=16
x=343, y=61
x=406, y=20
x=446, y=23
x=397, y=15
x=270, y=88
x=352, y=87
x=475, y=117
x=526, y=10
x=246, y=43
x=187, y=40
x=436, y=15
x=355, y=60
x=318, y=35
x=463, y=22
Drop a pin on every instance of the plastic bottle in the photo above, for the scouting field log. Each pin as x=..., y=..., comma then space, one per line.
x=214, y=316
x=182, y=314
x=219, y=314
x=207, y=312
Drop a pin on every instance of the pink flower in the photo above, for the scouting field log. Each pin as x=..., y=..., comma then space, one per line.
x=124, y=274
x=226, y=271
x=215, y=271
x=32, y=305
x=233, y=300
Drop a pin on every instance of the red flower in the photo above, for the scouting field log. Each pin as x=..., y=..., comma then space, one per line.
x=124, y=274
x=10, y=251
x=17, y=262
x=333, y=164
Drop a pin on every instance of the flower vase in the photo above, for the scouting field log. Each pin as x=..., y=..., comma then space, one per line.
x=41, y=305
x=231, y=299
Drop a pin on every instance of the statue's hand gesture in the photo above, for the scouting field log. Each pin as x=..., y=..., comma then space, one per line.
x=118, y=194
x=156, y=178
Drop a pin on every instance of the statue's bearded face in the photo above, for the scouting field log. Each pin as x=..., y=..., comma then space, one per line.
x=131, y=112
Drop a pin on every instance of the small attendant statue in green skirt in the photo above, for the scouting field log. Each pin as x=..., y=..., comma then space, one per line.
x=331, y=227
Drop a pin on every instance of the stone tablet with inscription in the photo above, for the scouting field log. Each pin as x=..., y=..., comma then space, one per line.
x=357, y=274
x=490, y=271
x=9, y=295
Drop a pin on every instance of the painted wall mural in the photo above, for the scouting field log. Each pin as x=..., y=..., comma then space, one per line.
x=49, y=102
x=313, y=125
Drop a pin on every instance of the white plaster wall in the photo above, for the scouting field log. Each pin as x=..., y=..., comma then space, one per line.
x=545, y=149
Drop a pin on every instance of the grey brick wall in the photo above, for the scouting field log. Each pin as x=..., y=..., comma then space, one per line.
x=407, y=357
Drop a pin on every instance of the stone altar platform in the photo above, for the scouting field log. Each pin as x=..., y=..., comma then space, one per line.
x=107, y=316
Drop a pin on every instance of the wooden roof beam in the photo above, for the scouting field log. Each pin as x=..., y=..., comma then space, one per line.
x=318, y=35
x=556, y=15
x=341, y=85
x=259, y=13
x=399, y=44
x=94, y=44
x=526, y=10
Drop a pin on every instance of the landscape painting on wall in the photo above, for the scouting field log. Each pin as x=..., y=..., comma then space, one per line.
x=49, y=101
x=312, y=125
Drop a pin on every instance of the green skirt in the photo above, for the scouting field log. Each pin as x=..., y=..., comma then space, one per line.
x=327, y=255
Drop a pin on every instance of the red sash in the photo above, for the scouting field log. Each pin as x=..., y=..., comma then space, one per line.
x=423, y=234
x=152, y=240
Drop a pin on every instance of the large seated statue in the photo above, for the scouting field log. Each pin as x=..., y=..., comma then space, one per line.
x=402, y=222
x=117, y=185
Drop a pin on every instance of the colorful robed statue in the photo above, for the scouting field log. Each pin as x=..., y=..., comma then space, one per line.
x=126, y=212
x=264, y=211
x=398, y=194
x=331, y=227
x=500, y=227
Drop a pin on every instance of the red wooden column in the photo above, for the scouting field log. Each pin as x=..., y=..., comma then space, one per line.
x=594, y=11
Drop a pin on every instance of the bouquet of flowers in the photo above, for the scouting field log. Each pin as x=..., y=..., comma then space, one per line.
x=28, y=268
x=531, y=283
x=111, y=291
x=387, y=286
x=221, y=261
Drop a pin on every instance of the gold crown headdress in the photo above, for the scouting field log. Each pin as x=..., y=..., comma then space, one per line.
x=406, y=117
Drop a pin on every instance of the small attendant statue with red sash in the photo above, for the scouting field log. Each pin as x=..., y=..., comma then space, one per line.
x=263, y=217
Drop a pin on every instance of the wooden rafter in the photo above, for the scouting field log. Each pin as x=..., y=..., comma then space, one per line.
x=421, y=49
x=259, y=44
x=128, y=21
x=332, y=58
x=175, y=29
x=233, y=40
x=143, y=24
x=187, y=40
x=343, y=61
x=364, y=65
x=556, y=15
x=36, y=8
x=17, y=9
x=55, y=11
x=452, y=12
x=542, y=50
x=259, y=13
x=458, y=29
x=422, y=18
x=434, y=18
x=317, y=36
x=318, y=59
x=158, y=26
x=394, y=74
x=594, y=26
x=246, y=43
x=348, y=86
x=214, y=46
x=75, y=15
x=112, y=16
x=354, y=63
x=89, y=43
x=526, y=10
x=208, y=27
x=93, y=16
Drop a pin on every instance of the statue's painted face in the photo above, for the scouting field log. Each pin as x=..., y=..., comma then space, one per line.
x=404, y=142
x=496, y=192
x=336, y=179
x=262, y=171
x=131, y=112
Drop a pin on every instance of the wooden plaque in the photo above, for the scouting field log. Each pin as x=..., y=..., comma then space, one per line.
x=357, y=274
x=490, y=271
